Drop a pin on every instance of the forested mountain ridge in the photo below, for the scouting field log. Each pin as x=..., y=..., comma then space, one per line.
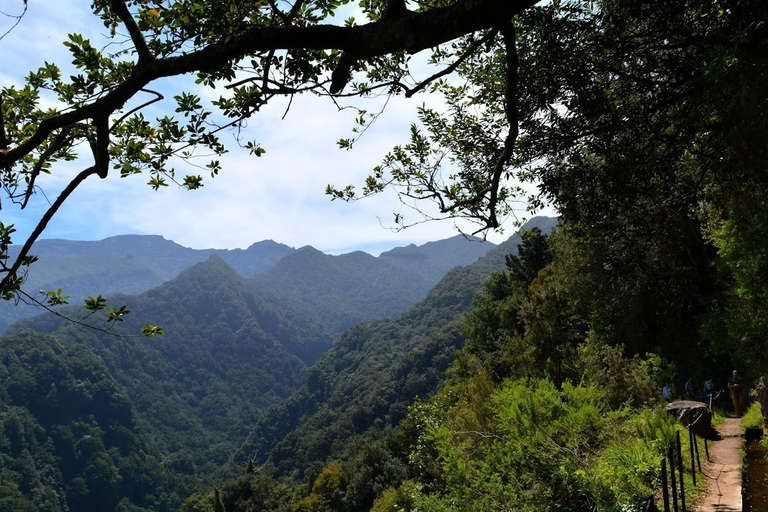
x=342, y=290
x=433, y=259
x=345, y=290
x=128, y=264
x=373, y=372
x=356, y=286
x=229, y=352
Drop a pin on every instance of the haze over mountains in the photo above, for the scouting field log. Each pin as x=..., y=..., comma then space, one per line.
x=131, y=264
x=249, y=366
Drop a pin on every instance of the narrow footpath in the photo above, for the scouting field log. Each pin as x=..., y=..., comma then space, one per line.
x=723, y=492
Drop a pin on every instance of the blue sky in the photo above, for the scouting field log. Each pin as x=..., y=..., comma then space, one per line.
x=279, y=196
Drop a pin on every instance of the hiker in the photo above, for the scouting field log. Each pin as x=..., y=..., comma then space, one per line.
x=690, y=389
x=709, y=388
x=736, y=386
x=666, y=392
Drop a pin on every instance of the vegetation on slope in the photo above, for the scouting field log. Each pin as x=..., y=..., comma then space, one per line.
x=372, y=374
x=228, y=353
x=70, y=438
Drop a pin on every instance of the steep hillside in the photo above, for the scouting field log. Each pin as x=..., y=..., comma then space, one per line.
x=229, y=352
x=69, y=436
x=345, y=290
x=373, y=373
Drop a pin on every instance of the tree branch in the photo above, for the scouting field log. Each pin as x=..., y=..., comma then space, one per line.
x=101, y=147
x=33, y=301
x=295, y=9
x=395, y=9
x=18, y=20
x=158, y=97
x=454, y=65
x=41, y=225
x=55, y=146
x=280, y=14
x=411, y=32
x=133, y=30
x=512, y=64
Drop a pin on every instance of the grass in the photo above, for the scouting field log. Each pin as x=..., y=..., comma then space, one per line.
x=753, y=418
x=718, y=416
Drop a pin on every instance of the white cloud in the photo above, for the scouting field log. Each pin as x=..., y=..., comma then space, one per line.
x=278, y=196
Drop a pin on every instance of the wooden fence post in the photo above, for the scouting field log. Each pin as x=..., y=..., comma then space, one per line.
x=680, y=467
x=664, y=488
x=696, y=446
x=671, y=457
x=692, y=441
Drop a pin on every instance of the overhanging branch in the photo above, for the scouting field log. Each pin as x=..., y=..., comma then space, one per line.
x=411, y=32
x=133, y=30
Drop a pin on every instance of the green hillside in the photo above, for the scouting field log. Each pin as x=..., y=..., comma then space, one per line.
x=70, y=439
x=229, y=352
x=373, y=373
x=127, y=264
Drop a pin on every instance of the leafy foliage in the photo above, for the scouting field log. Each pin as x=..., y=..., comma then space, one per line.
x=70, y=437
x=228, y=353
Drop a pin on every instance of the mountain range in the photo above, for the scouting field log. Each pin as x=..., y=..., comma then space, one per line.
x=131, y=264
x=248, y=368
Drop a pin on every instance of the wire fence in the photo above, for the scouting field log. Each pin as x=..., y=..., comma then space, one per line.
x=673, y=468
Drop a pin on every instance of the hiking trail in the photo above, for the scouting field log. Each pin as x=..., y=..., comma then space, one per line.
x=723, y=471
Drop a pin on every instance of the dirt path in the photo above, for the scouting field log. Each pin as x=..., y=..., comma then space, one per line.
x=723, y=493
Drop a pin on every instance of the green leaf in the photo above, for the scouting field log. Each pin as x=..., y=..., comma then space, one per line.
x=54, y=297
x=95, y=303
x=150, y=331
x=116, y=315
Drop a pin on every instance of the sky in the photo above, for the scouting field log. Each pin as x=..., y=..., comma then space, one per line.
x=279, y=196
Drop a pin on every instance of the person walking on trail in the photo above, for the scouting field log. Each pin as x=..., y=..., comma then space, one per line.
x=736, y=386
x=709, y=388
x=666, y=392
x=690, y=389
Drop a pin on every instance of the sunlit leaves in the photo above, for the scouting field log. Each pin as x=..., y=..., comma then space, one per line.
x=150, y=331
x=95, y=303
x=254, y=148
x=116, y=314
x=193, y=182
x=55, y=297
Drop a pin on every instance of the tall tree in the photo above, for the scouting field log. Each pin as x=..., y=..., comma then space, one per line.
x=645, y=125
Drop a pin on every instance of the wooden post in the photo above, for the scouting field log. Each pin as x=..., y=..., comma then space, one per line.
x=664, y=488
x=696, y=447
x=671, y=457
x=692, y=441
x=706, y=449
x=680, y=468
